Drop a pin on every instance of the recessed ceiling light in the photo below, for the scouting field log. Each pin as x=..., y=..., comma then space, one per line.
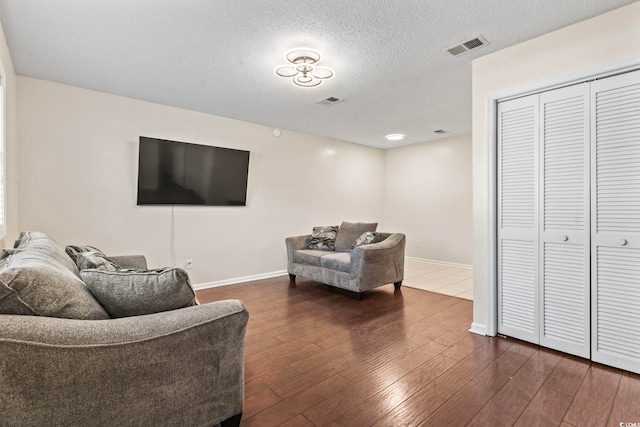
x=395, y=137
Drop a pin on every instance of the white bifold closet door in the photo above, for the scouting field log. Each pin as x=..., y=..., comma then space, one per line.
x=615, y=227
x=564, y=252
x=569, y=219
x=543, y=211
x=518, y=218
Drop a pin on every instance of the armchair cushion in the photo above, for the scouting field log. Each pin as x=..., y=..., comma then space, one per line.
x=127, y=293
x=32, y=283
x=340, y=261
x=309, y=256
x=350, y=231
x=130, y=261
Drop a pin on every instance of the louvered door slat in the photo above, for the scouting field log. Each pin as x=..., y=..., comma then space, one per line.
x=564, y=279
x=564, y=305
x=615, y=119
x=615, y=228
x=567, y=117
x=618, y=301
x=518, y=218
x=518, y=288
x=518, y=133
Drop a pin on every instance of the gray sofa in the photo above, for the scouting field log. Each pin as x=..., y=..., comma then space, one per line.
x=357, y=270
x=178, y=367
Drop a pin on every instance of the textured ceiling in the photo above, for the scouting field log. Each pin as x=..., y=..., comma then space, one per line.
x=218, y=56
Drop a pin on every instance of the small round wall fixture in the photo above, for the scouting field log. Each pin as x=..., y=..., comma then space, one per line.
x=303, y=68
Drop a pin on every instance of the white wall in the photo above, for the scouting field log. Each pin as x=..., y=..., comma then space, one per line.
x=609, y=37
x=78, y=177
x=428, y=196
x=11, y=143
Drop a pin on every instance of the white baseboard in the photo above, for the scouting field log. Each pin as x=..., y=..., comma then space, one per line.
x=478, y=328
x=433, y=261
x=234, y=280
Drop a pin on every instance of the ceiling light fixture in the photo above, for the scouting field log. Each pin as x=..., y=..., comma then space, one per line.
x=395, y=137
x=302, y=68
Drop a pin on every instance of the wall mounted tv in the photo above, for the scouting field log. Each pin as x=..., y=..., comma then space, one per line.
x=179, y=173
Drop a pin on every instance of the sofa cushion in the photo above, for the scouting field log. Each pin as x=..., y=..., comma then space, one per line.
x=40, y=242
x=32, y=283
x=323, y=237
x=366, y=238
x=125, y=293
x=86, y=260
x=350, y=231
x=340, y=261
x=309, y=256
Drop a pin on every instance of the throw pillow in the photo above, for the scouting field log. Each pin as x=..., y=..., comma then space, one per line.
x=324, y=237
x=366, y=238
x=74, y=250
x=350, y=231
x=32, y=283
x=98, y=260
x=125, y=293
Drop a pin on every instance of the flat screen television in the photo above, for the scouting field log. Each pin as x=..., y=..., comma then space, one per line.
x=180, y=173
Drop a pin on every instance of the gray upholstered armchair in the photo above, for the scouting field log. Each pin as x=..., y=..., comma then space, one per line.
x=181, y=367
x=357, y=270
x=77, y=367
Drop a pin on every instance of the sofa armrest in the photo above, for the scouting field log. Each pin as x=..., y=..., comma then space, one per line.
x=130, y=261
x=379, y=263
x=295, y=243
x=298, y=242
x=181, y=367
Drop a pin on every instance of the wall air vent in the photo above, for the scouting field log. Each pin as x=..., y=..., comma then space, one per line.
x=464, y=47
x=330, y=101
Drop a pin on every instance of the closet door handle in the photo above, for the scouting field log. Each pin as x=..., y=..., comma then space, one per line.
x=622, y=242
x=564, y=238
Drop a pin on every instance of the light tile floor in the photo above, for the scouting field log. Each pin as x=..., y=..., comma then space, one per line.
x=439, y=278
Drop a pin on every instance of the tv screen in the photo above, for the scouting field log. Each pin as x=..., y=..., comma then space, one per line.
x=179, y=173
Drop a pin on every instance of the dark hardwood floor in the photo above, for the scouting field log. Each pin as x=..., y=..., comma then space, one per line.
x=406, y=358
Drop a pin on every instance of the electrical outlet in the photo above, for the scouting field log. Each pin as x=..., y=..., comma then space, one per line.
x=188, y=264
x=418, y=244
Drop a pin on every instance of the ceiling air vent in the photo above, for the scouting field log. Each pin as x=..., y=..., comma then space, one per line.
x=464, y=47
x=330, y=101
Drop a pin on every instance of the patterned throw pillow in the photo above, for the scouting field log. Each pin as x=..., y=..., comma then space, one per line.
x=74, y=250
x=85, y=260
x=366, y=238
x=324, y=237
